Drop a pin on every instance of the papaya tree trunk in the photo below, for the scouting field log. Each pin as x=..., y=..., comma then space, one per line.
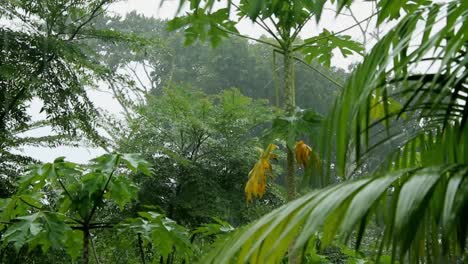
x=290, y=106
x=85, y=256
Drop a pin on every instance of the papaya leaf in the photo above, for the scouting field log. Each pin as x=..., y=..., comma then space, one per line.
x=121, y=190
x=321, y=47
x=136, y=163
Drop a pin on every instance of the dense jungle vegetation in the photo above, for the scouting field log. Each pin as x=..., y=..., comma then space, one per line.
x=229, y=148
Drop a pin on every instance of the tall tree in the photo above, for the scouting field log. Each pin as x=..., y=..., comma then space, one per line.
x=43, y=57
x=283, y=21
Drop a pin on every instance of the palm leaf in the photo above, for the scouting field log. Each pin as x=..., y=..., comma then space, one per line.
x=268, y=239
x=434, y=99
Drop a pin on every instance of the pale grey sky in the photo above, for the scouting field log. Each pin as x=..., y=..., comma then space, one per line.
x=360, y=9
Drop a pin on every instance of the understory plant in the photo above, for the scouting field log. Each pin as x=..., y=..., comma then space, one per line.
x=60, y=205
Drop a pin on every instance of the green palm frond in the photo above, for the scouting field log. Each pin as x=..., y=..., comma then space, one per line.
x=425, y=70
x=432, y=147
x=424, y=213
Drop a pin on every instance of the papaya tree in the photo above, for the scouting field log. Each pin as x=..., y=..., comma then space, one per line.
x=45, y=60
x=58, y=206
x=282, y=21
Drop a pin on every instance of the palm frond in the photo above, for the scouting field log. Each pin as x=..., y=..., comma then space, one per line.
x=418, y=205
x=433, y=99
x=433, y=147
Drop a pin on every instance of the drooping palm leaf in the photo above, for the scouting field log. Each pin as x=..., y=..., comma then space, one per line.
x=433, y=99
x=407, y=197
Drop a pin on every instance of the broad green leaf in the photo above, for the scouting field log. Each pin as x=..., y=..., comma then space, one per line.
x=325, y=207
x=364, y=200
x=448, y=214
x=162, y=232
x=219, y=227
x=203, y=25
x=32, y=199
x=412, y=203
x=136, y=163
x=121, y=190
x=54, y=231
x=392, y=9
x=338, y=210
x=106, y=163
x=20, y=233
x=73, y=242
x=321, y=47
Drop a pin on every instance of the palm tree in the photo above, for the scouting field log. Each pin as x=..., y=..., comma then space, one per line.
x=420, y=187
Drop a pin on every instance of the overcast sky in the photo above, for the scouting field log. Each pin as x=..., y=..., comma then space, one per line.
x=329, y=20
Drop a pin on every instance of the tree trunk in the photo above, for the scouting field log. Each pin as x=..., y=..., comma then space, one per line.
x=140, y=246
x=290, y=105
x=85, y=256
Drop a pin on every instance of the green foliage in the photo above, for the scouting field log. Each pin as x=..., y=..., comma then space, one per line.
x=338, y=209
x=412, y=123
x=55, y=203
x=164, y=235
x=321, y=47
x=303, y=124
x=429, y=101
x=201, y=25
x=119, y=246
x=287, y=18
x=289, y=128
x=44, y=59
x=393, y=9
x=204, y=146
x=49, y=64
x=219, y=227
x=42, y=228
x=236, y=63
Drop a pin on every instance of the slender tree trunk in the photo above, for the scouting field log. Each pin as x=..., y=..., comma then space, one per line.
x=275, y=80
x=140, y=246
x=290, y=105
x=96, y=258
x=85, y=256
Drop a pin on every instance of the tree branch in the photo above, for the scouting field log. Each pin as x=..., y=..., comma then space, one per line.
x=336, y=33
x=263, y=25
x=248, y=37
x=298, y=30
x=91, y=17
x=33, y=206
x=363, y=31
x=102, y=191
x=94, y=251
x=319, y=72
